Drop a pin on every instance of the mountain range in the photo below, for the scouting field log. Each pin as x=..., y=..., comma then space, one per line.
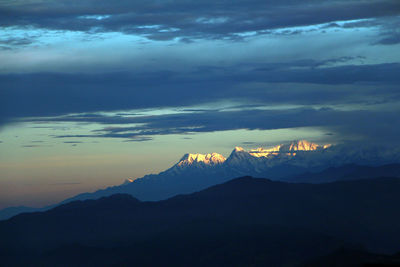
x=243, y=222
x=194, y=172
x=298, y=161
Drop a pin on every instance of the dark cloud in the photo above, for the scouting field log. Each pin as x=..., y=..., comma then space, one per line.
x=363, y=124
x=11, y=42
x=299, y=82
x=34, y=146
x=390, y=32
x=390, y=39
x=138, y=139
x=16, y=41
x=163, y=20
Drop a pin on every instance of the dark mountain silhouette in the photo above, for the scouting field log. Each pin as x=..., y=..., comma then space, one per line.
x=245, y=221
x=12, y=211
x=355, y=258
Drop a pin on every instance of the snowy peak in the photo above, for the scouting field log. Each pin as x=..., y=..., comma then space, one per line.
x=238, y=149
x=303, y=145
x=238, y=152
x=128, y=181
x=196, y=162
x=207, y=159
x=265, y=152
x=282, y=149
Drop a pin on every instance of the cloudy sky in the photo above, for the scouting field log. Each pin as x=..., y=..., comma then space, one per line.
x=96, y=91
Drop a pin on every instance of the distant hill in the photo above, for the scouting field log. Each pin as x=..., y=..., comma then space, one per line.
x=12, y=211
x=246, y=221
x=354, y=258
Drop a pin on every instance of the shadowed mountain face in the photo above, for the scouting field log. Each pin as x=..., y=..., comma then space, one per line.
x=264, y=221
x=346, y=172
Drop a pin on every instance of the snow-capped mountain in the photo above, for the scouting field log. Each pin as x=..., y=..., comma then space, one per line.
x=265, y=162
x=276, y=162
x=200, y=160
x=293, y=157
x=260, y=160
x=255, y=160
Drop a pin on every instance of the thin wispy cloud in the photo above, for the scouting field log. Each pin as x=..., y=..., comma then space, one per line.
x=189, y=19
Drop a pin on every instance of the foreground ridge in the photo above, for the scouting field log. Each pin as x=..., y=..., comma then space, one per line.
x=269, y=222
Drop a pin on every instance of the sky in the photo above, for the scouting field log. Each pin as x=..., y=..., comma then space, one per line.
x=94, y=91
